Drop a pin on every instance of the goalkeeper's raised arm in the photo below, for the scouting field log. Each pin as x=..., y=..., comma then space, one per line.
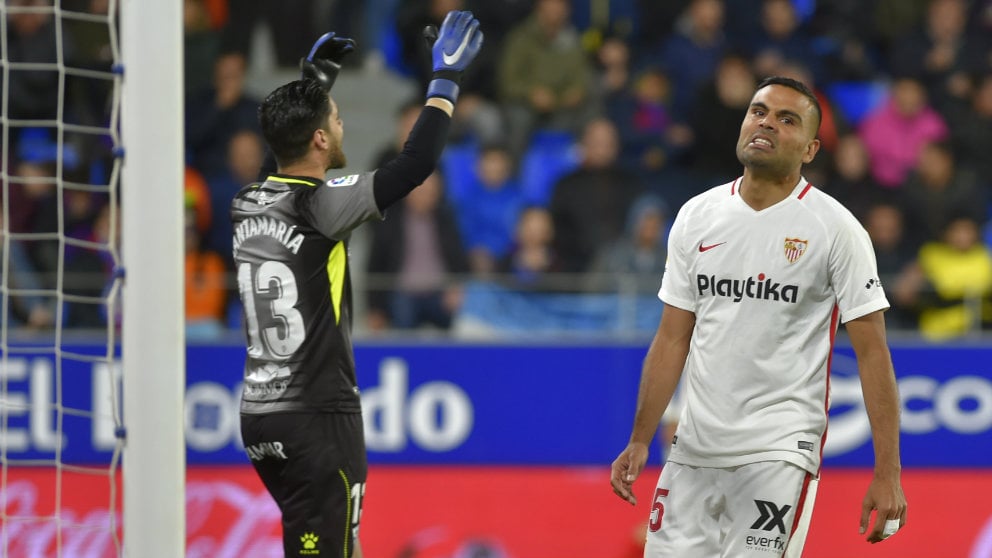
x=453, y=48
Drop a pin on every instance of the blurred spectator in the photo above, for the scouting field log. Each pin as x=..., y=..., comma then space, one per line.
x=656, y=19
x=244, y=157
x=781, y=38
x=292, y=24
x=419, y=245
x=91, y=38
x=698, y=38
x=955, y=282
x=971, y=123
x=532, y=263
x=894, y=254
x=88, y=273
x=42, y=210
x=206, y=293
x=376, y=24
x=214, y=115
x=644, y=120
x=635, y=262
x=487, y=206
x=941, y=53
x=198, y=194
x=847, y=38
x=31, y=38
x=939, y=190
x=477, y=116
x=612, y=69
x=895, y=19
x=201, y=41
x=87, y=100
x=895, y=132
x=406, y=117
x=851, y=182
x=716, y=121
x=31, y=311
x=544, y=75
x=590, y=204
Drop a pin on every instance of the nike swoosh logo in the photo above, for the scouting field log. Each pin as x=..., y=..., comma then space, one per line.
x=710, y=247
x=453, y=58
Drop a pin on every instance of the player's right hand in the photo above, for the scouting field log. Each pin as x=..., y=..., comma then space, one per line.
x=458, y=42
x=625, y=470
x=324, y=60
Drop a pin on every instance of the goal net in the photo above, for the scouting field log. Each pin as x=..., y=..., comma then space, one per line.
x=78, y=421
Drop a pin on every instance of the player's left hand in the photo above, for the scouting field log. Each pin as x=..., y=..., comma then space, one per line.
x=324, y=60
x=885, y=496
x=457, y=43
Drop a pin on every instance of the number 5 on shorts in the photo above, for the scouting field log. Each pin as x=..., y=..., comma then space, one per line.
x=657, y=510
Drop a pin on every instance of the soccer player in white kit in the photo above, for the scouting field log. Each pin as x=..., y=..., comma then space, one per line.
x=760, y=272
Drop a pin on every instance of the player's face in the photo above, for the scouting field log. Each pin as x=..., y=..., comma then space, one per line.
x=778, y=132
x=335, y=154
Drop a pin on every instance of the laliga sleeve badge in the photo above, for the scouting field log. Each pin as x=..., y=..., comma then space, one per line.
x=349, y=180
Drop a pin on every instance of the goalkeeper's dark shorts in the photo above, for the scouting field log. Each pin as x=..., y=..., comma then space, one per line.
x=315, y=467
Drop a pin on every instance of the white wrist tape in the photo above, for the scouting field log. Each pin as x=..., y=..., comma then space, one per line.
x=891, y=526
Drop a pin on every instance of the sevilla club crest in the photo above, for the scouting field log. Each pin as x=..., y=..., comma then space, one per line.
x=794, y=249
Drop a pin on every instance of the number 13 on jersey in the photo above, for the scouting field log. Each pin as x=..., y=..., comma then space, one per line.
x=275, y=327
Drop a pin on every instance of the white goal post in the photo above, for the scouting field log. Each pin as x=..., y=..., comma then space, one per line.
x=153, y=339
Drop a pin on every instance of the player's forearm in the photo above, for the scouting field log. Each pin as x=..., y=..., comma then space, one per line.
x=418, y=159
x=659, y=379
x=881, y=397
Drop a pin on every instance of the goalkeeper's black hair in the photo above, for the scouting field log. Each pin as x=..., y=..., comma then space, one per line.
x=290, y=114
x=797, y=86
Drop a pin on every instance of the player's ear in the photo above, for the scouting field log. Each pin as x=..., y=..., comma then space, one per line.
x=321, y=139
x=811, y=148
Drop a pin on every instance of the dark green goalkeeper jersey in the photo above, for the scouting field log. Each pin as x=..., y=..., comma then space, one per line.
x=291, y=252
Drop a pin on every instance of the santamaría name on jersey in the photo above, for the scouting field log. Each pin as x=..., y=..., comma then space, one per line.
x=275, y=228
x=760, y=288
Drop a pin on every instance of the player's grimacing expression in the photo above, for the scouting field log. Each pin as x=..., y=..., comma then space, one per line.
x=779, y=131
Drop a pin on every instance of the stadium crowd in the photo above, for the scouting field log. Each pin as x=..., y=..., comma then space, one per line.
x=582, y=128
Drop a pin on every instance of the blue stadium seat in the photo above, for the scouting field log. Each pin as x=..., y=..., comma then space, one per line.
x=551, y=154
x=458, y=165
x=856, y=99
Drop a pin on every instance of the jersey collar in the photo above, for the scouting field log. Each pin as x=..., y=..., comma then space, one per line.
x=802, y=187
x=292, y=179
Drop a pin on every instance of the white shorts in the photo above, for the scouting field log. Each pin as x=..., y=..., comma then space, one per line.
x=760, y=510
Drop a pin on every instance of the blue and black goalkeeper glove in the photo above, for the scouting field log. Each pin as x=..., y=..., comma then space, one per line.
x=324, y=61
x=452, y=49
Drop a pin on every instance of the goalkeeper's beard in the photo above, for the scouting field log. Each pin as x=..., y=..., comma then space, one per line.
x=336, y=158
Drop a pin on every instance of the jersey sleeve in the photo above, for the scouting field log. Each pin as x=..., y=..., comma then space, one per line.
x=341, y=204
x=676, y=286
x=854, y=273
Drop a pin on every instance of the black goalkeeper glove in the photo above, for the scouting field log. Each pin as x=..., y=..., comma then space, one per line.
x=324, y=61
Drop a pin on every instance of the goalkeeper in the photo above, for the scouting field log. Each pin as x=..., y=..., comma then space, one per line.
x=301, y=418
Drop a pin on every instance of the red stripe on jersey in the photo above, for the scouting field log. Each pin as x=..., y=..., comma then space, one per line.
x=834, y=319
x=806, y=189
x=800, y=504
x=733, y=185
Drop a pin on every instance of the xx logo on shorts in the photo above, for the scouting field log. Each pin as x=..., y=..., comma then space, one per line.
x=771, y=516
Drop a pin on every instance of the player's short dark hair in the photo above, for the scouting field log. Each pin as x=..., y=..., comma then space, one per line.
x=797, y=86
x=290, y=114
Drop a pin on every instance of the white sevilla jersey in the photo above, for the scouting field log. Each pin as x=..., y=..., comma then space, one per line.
x=767, y=288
